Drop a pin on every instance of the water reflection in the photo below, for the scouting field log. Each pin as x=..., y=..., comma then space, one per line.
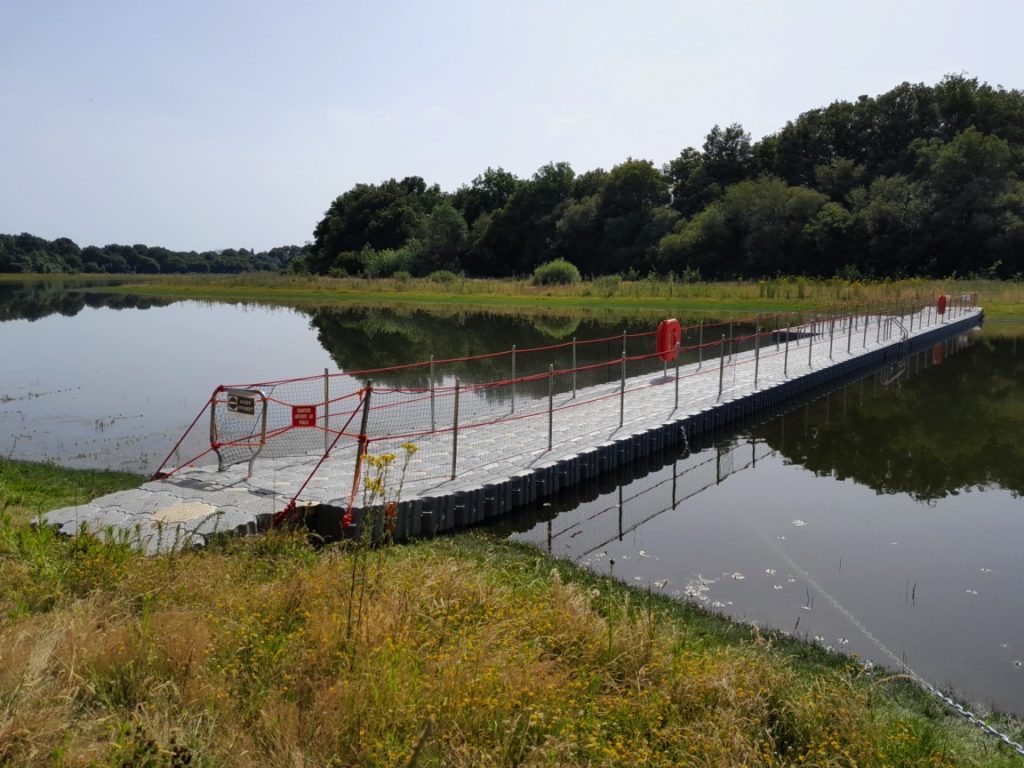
x=881, y=518
x=36, y=300
x=948, y=423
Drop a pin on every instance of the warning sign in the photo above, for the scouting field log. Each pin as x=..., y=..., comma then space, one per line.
x=303, y=415
x=242, y=402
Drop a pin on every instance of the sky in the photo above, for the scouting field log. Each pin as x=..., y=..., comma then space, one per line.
x=217, y=124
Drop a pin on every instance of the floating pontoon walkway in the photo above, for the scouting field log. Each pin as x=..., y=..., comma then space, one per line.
x=508, y=446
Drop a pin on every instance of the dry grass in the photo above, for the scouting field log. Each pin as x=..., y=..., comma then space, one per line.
x=1000, y=298
x=463, y=651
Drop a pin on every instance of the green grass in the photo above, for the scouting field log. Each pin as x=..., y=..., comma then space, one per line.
x=28, y=489
x=465, y=650
x=1000, y=298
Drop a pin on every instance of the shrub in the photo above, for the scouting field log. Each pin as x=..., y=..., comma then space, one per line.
x=401, y=276
x=557, y=272
x=384, y=263
x=442, y=276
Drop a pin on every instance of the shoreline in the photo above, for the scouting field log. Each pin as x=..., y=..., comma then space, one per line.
x=506, y=602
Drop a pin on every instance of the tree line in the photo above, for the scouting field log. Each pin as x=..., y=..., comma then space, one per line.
x=921, y=180
x=28, y=253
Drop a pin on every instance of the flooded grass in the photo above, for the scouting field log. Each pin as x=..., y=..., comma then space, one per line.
x=468, y=651
x=1000, y=298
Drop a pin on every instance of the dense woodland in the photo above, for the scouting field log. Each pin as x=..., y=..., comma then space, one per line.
x=921, y=180
x=28, y=253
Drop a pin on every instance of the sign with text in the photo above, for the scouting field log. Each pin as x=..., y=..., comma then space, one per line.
x=242, y=402
x=303, y=415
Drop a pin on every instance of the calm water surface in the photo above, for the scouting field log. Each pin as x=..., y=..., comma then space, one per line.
x=883, y=520
x=879, y=520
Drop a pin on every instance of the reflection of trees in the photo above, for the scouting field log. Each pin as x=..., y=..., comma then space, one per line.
x=557, y=326
x=946, y=430
x=34, y=301
x=366, y=338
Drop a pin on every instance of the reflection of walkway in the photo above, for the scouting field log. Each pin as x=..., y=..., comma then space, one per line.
x=495, y=461
x=581, y=531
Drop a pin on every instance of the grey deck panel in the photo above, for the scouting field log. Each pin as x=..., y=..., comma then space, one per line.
x=508, y=458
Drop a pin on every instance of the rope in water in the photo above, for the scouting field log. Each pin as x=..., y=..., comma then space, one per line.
x=955, y=706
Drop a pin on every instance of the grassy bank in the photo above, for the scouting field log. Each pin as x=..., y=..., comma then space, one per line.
x=1000, y=298
x=461, y=651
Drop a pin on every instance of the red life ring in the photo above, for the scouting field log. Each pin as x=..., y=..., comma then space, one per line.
x=940, y=304
x=669, y=335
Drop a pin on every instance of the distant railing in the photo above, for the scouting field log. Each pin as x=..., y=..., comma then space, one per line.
x=328, y=415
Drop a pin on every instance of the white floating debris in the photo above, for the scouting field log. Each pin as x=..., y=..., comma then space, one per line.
x=791, y=579
x=805, y=607
x=781, y=538
x=1018, y=663
x=894, y=543
x=986, y=570
x=776, y=586
x=799, y=523
x=638, y=578
x=737, y=576
x=643, y=553
x=625, y=557
x=972, y=591
x=662, y=584
x=843, y=641
x=819, y=639
x=770, y=571
x=697, y=588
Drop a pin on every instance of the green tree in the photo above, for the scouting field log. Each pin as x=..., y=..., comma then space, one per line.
x=446, y=240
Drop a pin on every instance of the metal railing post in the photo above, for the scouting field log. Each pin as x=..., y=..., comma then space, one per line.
x=364, y=424
x=864, y=340
x=831, y=334
x=676, y=406
x=573, y=367
x=810, y=343
x=785, y=356
x=551, y=402
x=700, y=345
x=622, y=388
x=433, y=423
x=513, y=378
x=757, y=351
x=327, y=411
x=623, y=343
x=849, y=334
x=455, y=429
x=721, y=365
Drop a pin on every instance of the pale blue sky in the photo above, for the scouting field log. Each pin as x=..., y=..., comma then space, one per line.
x=234, y=124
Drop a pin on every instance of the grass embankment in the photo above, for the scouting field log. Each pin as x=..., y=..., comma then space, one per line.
x=460, y=651
x=1000, y=298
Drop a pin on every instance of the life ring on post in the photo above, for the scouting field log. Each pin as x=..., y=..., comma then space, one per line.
x=669, y=335
x=940, y=304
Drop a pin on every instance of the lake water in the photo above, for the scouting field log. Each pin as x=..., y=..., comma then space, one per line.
x=883, y=518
